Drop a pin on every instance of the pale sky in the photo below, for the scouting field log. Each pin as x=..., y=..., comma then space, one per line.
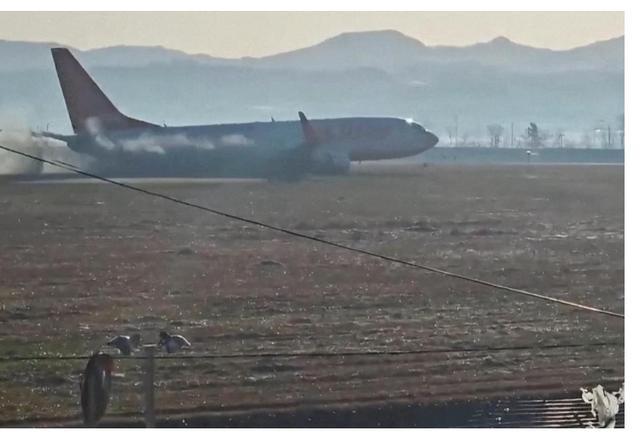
x=237, y=34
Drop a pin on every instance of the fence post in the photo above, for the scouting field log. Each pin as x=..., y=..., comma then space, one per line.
x=147, y=385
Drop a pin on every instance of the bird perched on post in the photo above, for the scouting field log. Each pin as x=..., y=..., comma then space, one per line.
x=172, y=343
x=125, y=344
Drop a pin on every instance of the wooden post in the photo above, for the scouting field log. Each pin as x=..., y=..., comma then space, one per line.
x=147, y=385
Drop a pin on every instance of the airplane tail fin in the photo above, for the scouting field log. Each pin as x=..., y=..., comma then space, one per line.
x=89, y=108
x=311, y=137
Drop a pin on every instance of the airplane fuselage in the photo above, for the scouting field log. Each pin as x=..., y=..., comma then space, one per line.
x=249, y=149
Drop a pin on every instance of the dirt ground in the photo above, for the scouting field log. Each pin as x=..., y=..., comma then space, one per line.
x=82, y=262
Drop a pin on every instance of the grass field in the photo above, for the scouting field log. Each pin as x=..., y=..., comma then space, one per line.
x=82, y=262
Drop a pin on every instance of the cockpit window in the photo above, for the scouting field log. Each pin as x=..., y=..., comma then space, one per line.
x=416, y=126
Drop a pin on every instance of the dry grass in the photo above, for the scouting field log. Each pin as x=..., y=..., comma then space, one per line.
x=80, y=262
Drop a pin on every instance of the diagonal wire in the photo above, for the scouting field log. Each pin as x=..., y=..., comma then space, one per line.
x=294, y=233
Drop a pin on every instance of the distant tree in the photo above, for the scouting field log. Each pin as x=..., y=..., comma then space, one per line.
x=603, y=134
x=533, y=136
x=495, y=134
x=609, y=134
x=610, y=137
x=559, y=138
x=451, y=133
x=620, y=125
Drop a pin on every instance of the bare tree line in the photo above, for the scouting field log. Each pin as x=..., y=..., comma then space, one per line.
x=601, y=135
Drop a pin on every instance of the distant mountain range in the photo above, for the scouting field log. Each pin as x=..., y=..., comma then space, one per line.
x=390, y=51
x=368, y=73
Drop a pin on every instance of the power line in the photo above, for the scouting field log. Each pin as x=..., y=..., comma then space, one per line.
x=322, y=354
x=294, y=233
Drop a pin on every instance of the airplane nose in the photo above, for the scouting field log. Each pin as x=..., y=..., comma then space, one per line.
x=432, y=139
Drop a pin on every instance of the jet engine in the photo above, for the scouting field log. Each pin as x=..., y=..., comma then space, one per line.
x=330, y=163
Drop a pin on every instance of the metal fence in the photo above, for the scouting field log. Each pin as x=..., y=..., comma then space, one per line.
x=199, y=389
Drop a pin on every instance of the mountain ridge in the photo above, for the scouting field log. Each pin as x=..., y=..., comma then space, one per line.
x=343, y=51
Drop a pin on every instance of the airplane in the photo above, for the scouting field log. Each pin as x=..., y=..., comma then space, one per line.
x=121, y=146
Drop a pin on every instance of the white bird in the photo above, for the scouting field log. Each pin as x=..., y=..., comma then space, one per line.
x=173, y=343
x=126, y=344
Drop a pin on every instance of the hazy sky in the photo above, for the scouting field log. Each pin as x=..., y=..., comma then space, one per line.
x=236, y=34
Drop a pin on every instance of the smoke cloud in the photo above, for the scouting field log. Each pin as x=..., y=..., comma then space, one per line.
x=12, y=164
x=236, y=140
x=161, y=143
x=22, y=139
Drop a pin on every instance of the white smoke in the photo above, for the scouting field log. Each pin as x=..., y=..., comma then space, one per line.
x=236, y=140
x=144, y=143
x=158, y=143
x=93, y=126
x=104, y=142
x=13, y=164
x=22, y=139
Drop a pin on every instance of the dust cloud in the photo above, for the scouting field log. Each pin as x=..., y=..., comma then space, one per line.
x=22, y=139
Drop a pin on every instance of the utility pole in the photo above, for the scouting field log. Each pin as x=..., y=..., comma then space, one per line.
x=147, y=385
x=455, y=118
x=512, y=135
